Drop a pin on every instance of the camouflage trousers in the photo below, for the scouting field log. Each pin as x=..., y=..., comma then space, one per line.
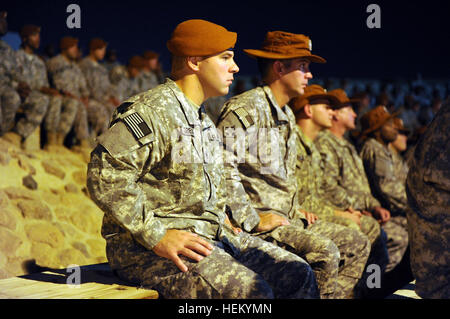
x=429, y=242
x=336, y=254
x=397, y=240
x=98, y=116
x=74, y=108
x=9, y=104
x=378, y=247
x=34, y=108
x=240, y=266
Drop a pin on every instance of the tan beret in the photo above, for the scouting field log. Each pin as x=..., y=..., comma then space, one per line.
x=67, y=42
x=97, y=43
x=136, y=62
x=29, y=29
x=148, y=55
x=200, y=38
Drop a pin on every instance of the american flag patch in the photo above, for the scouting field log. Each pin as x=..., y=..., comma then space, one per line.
x=244, y=117
x=137, y=125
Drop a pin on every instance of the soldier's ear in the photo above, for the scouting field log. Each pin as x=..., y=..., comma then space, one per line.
x=308, y=110
x=193, y=63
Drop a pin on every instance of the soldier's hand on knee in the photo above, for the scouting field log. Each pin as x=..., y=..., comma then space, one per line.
x=269, y=221
x=176, y=242
x=310, y=217
x=346, y=214
x=354, y=211
x=381, y=214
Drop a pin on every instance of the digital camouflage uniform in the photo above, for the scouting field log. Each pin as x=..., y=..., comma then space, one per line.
x=9, y=98
x=100, y=91
x=160, y=167
x=389, y=189
x=312, y=198
x=38, y=106
x=345, y=184
x=400, y=166
x=147, y=80
x=428, y=189
x=124, y=85
x=66, y=75
x=266, y=164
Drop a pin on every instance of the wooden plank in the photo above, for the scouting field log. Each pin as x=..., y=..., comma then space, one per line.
x=100, y=283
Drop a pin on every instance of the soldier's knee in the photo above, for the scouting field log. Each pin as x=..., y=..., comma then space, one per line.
x=254, y=289
x=328, y=250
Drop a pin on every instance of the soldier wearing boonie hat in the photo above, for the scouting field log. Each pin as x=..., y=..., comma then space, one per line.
x=158, y=175
x=345, y=185
x=387, y=186
x=268, y=174
x=398, y=148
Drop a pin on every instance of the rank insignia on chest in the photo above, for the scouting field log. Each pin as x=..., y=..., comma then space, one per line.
x=137, y=125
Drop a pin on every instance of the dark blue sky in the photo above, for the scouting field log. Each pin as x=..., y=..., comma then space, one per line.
x=414, y=35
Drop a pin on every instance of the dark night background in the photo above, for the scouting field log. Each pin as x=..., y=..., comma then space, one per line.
x=414, y=35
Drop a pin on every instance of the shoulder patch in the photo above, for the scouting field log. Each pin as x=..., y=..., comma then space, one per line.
x=244, y=117
x=118, y=140
x=137, y=126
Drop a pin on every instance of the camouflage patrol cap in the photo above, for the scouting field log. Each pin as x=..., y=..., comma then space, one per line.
x=314, y=94
x=200, y=38
x=29, y=29
x=97, y=43
x=67, y=42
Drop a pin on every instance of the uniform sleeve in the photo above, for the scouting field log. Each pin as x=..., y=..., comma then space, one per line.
x=380, y=170
x=243, y=212
x=337, y=195
x=84, y=91
x=116, y=165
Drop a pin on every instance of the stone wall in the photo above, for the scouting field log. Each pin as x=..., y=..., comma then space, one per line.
x=46, y=215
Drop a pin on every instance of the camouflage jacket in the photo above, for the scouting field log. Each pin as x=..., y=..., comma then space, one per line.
x=159, y=166
x=261, y=136
x=32, y=70
x=345, y=182
x=147, y=80
x=428, y=180
x=400, y=166
x=97, y=79
x=66, y=75
x=9, y=71
x=386, y=186
x=310, y=177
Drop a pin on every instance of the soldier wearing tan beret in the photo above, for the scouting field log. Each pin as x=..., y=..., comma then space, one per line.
x=158, y=175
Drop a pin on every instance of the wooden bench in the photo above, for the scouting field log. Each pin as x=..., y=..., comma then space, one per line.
x=406, y=292
x=96, y=282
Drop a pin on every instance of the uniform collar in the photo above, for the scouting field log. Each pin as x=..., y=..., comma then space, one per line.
x=190, y=109
x=341, y=141
x=281, y=116
x=305, y=140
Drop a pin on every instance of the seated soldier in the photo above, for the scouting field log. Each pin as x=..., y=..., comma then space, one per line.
x=259, y=136
x=158, y=175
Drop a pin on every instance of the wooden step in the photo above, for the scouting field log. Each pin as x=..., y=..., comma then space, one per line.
x=96, y=282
